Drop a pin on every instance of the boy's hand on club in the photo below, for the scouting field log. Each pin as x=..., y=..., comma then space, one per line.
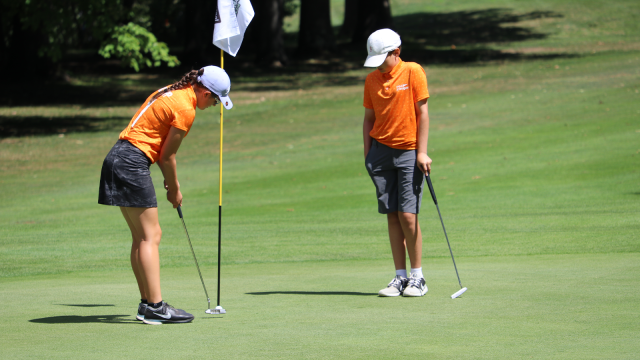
x=424, y=163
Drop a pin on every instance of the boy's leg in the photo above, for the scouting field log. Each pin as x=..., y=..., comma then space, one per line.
x=410, y=185
x=416, y=285
x=397, y=241
x=398, y=250
x=147, y=233
x=413, y=237
x=405, y=237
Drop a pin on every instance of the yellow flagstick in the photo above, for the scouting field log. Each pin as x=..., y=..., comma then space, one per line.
x=219, y=309
x=221, y=127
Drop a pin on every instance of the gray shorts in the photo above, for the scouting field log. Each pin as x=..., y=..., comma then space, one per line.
x=397, y=178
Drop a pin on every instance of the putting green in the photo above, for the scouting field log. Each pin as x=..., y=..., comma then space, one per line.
x=536, y=165
x=551, y=306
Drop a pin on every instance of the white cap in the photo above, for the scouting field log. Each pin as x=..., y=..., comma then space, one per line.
x=379, y=44
x=217, y=81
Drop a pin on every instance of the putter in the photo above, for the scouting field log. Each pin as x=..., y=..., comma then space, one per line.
x=218, y=309
x=435, y=201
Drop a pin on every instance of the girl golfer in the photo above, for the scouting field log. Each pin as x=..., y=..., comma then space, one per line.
x=154, y=135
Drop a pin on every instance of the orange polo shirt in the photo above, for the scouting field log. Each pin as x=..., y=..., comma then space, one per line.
x=393, y=96
x=150, y=126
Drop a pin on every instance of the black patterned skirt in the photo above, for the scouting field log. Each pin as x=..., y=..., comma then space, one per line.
x=126, y=179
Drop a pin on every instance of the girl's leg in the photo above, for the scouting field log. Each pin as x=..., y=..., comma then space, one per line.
x=135, y=265
x=146, y=232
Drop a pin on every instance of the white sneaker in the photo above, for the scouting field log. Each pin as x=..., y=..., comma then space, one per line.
x=416, y=287
x=395, y=287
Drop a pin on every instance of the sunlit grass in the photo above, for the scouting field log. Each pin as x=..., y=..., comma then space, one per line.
x=536, y=165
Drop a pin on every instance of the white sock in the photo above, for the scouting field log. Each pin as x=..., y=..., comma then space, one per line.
x=402, y=273
x=417, y=271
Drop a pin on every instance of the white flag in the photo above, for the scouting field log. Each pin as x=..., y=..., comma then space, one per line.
x=232, y=19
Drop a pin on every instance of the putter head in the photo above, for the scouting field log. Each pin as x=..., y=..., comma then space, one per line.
x=458, y=293
x=217, y=310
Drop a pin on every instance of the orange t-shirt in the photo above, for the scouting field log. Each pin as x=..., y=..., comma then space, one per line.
x=150, y=125
x=393, y=96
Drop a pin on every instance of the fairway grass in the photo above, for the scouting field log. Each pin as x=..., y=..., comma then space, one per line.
x=536, y=169
x=549, y=306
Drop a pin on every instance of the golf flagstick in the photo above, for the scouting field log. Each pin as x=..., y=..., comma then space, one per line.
x=435, y=201
x=219, y=309
x=230, y=22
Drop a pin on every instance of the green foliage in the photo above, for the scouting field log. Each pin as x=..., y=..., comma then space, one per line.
x=55, y=25
x=290, y=7
x=137, y=47
x=50, y=27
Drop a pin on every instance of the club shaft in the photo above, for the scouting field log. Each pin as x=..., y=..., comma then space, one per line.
x=219, y=247
x=435, y=201
x=448, y=244
x=194, y=254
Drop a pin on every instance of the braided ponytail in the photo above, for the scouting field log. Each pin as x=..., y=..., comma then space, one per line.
x=190, y=78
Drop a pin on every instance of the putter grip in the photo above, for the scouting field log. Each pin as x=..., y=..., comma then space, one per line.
x=179, y=211
x=433, y=193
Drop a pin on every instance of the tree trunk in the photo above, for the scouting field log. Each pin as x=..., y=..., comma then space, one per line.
x=265, y=34
x=199, y=50
x=316, y=34
x=22, y=58
x=372, y=15
x=350, y=18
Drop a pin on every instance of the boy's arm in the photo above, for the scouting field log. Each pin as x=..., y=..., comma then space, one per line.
x=423, y=160
x=367, y=126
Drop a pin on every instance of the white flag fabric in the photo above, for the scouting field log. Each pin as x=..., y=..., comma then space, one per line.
x=232, y=19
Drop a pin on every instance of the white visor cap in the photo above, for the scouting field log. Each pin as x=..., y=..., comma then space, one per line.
x=379, y=44
x=217, y=81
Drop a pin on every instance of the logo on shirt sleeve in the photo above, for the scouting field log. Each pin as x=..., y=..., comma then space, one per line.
x=402, y=87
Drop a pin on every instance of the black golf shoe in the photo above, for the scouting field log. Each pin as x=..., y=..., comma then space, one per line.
x=165, y=314
x=142, y=307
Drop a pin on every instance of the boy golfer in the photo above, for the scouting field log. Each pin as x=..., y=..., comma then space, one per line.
x=395, y=132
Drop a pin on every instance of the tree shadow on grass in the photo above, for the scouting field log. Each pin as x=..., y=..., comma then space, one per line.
x=461, y=38
x=473, y=27
x=86, y=305
x=465, y=37
x=105, y=93
x=76, y=319
x=16, y=126
x=348, y=293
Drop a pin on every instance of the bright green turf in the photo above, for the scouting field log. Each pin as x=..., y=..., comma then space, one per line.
x=516, y=307
x=536, y=167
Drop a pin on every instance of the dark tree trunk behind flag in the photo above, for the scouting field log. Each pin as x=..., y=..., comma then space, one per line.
x=350, y=18
x=372, y=15
x=266, y=34
x=316, y=34
x=198, y=29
